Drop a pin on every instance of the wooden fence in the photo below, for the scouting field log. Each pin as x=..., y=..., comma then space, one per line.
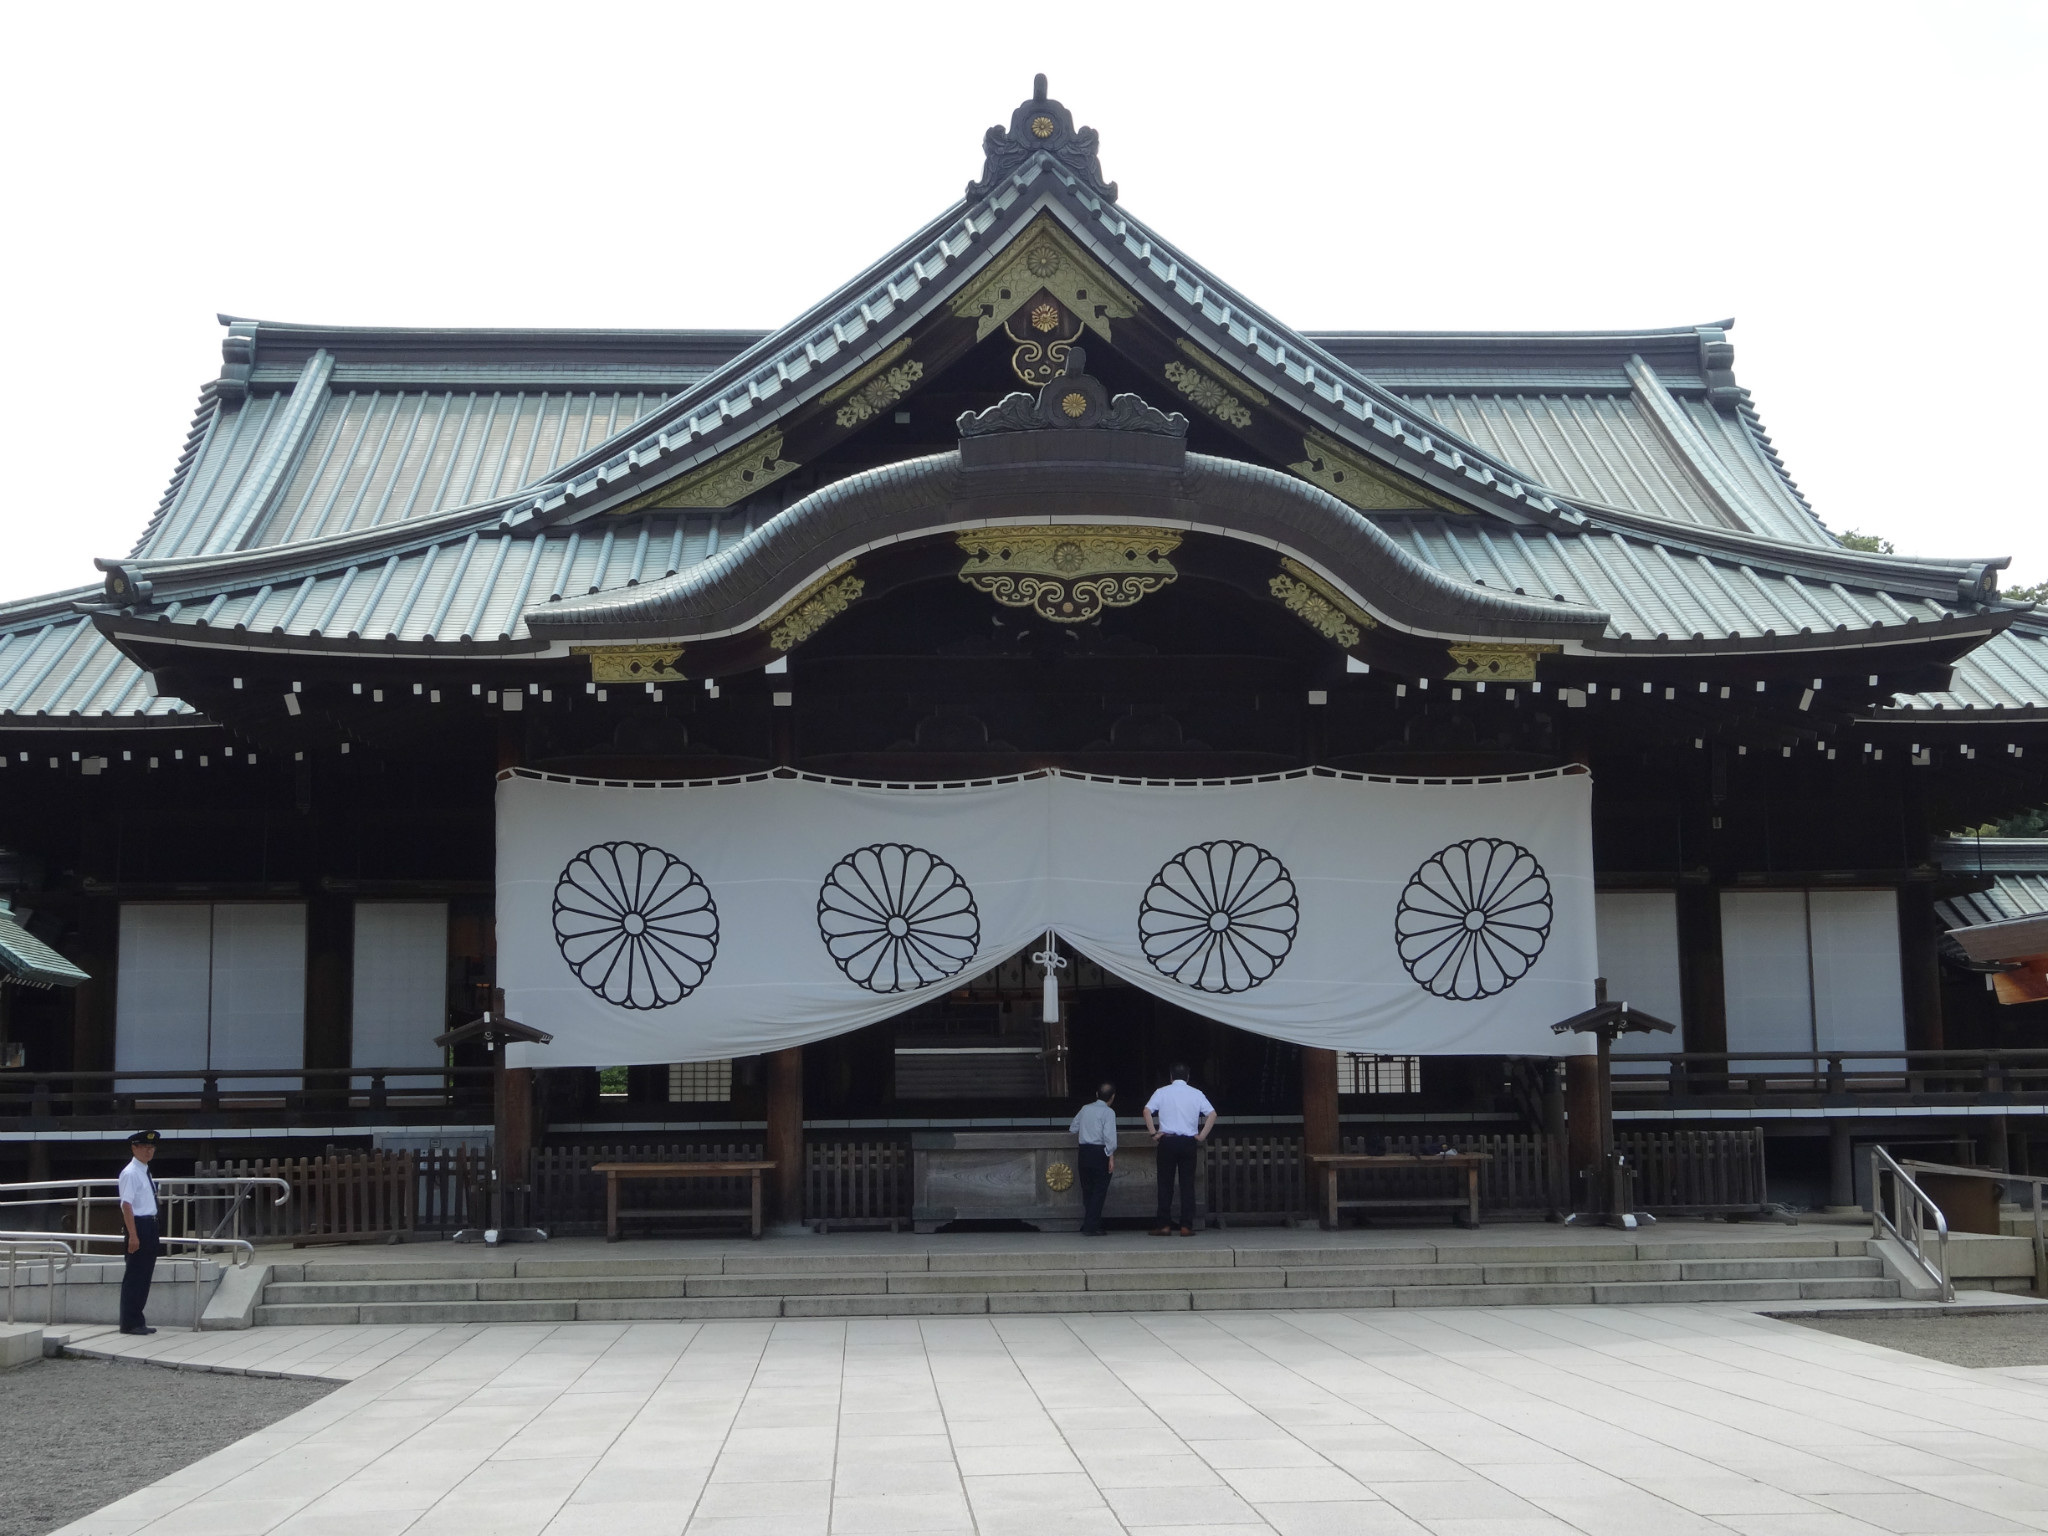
x=344, y=1197
x=857, y=1184
x=1696, y=1173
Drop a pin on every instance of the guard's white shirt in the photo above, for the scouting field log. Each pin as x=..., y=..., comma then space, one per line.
x=137, y=1191
x=1180, y=1108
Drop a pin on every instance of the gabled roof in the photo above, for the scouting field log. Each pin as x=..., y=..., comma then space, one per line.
x=432, y=487
x=27, y=961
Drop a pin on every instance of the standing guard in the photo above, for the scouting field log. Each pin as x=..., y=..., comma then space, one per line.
x=138, y=1215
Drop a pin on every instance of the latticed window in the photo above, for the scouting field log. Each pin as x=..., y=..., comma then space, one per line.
x=1378, y=1074
x=700, y=1082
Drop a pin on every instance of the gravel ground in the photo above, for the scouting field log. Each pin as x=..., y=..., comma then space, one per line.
x=79, y=1434
x=2005, y=1338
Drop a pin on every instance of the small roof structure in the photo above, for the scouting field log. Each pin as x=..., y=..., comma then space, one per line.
x=27, y=961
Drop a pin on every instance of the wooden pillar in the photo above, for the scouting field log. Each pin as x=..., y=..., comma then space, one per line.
x=1319, y=1129
x=1920, y=966
x=330, y=982
x=514, y=1085
x=1841, y=1167
x=1582, y=1127
x=93, y=1002
x=1702, y=986
x=785, y=1139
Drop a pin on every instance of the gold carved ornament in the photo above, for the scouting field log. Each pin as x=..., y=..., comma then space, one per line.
x=813, y=608
x=1044, y=256
x=728, y=478
x=1346, y=476
x=1495, y=663
x=1319, y=605
x=1068, y=574
x=633, y=663
x=1038, y=360
x=876, y=387
x=1206, y=394
x=1059, y=1178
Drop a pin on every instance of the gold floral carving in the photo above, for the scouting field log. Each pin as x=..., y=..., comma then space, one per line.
x=1210, y=396
x=813, y=608
x=1346, y=476
x=1059, y=1177
x=1319, y=605
x=1044, y=256
x=876, y=387
x=1231, y=380
x=633, y=663
x=726, y=479
x=1068, y=574
x=1045, y=317
x=1495, y=663
x=1041, y=127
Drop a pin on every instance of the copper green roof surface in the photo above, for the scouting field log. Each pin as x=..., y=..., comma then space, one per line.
x=27, y=961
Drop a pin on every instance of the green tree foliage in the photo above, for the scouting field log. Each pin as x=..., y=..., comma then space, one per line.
x=2037, y=593
x=1868, y=543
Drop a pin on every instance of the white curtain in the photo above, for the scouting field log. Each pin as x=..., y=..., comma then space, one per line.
x=1639, y=958
x=399, y=999
x=219, y=986
x=1812, y=971
x=664, y=923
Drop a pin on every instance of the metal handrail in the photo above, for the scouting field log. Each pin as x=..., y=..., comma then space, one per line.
x=49, y=1249
x=78, y=1196
x=2039, y=1185
x=1904, y=1221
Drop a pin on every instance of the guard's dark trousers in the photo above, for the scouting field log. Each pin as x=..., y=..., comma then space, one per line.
x=1094, y=1186
x=1177, y=1161
x=135, y=1279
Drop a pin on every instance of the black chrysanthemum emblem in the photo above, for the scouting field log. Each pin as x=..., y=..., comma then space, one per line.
x=1474, y=918
x=1219, y=917
x=636, y=924
x=895, y=918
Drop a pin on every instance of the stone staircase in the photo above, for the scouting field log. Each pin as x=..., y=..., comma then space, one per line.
x=806, y=1278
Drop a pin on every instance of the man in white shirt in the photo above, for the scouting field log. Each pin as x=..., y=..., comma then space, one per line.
x=1184, y=1119
x=1095, y=1129
x=138, y=1216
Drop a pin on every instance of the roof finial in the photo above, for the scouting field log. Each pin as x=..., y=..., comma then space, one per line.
x=1041, y=126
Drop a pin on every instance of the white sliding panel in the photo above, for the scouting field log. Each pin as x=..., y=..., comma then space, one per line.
x=1764, y=971
x=1858, y=998
x=1638, y=935
x=259, y=985
x=161, y=990
x=401, y=986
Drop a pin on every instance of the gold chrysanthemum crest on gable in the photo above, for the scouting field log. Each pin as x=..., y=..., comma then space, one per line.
x=1044, y=255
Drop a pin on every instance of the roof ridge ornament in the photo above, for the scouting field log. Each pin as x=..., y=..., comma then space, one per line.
x=1073, y=399
x=1041, y=126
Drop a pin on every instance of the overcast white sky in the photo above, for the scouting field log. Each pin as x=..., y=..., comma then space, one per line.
x=1859, y=184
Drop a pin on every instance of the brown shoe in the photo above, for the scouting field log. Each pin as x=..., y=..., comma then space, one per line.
x=1161, y=1232
x=1187, y=1231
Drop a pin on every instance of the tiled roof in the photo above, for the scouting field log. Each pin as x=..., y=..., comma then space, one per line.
x=27, y=961
x=56, y=665
x=2019, y=865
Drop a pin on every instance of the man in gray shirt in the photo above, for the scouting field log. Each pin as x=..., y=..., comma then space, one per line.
x=1095, y=1128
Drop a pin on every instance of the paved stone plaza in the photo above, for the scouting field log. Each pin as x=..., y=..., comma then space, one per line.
x=1465, y=1422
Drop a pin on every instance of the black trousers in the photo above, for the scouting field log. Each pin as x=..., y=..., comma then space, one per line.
x=1094, y=1185
x=136, y=1277
x=1177, y=1161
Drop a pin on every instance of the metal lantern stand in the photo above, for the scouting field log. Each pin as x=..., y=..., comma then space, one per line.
x=496, y=1034
x=1614, y=1182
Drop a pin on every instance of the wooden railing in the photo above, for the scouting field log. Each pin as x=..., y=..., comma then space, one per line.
x=196, y=1095
x=1696, y=1173
x=1671, y=1079
x=349, y=1197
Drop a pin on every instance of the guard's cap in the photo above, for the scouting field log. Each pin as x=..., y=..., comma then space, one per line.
x=144, y=1139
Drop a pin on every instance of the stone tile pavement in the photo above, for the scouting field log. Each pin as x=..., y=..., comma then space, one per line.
x=1612, y=1421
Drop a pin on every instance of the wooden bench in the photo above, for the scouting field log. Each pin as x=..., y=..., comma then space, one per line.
x=614, y=1172
x=1334, y=1163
